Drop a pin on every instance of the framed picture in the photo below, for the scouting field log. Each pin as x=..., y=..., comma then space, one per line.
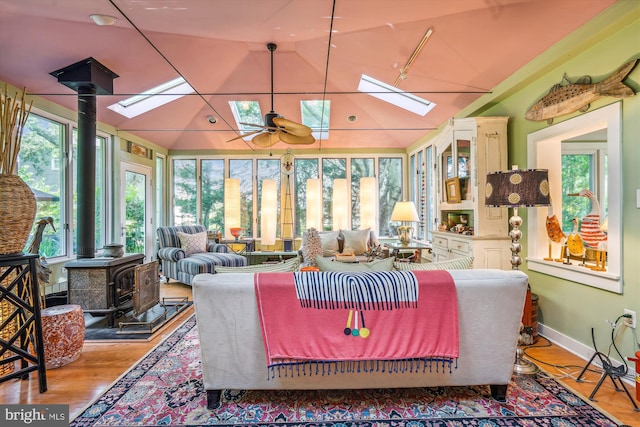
x=453, y=190
x=138, y=150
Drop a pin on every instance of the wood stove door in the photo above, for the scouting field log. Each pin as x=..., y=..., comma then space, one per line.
x=147, y=287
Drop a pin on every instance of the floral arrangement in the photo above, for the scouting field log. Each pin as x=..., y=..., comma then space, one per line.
x=13, y=116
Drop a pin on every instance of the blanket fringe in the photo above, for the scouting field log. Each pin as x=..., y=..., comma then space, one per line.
x=335, y=367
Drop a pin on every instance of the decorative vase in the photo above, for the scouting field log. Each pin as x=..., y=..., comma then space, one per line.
x=113, y=250
x=311, y=246
x=17, y=213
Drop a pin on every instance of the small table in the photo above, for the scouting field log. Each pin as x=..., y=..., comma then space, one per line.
x=396, y=247
x=271, y=256
x=240, y=246
x=63, y=330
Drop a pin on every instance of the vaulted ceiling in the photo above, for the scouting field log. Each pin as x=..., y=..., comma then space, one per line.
x=324, y=46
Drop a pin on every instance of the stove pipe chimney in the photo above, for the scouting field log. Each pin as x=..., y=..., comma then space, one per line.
x=89, y=78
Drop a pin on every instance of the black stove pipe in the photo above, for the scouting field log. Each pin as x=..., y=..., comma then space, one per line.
x=86, y=171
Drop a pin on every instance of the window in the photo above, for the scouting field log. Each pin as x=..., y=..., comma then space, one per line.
x=315, y=114
x=565, y=142
x=42, y=165
x=268, y=169
x=153, y=98
x=247, y=112
x=184, y=192
x=159, y=191
x=360, y=168
x=390, y=189
x=243, y=170
x=212, y=194
x=331, y=169
x=395, y=96
x=304, y=169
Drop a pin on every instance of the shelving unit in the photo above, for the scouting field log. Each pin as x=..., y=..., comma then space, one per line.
x=468, y=149
x=21, y=330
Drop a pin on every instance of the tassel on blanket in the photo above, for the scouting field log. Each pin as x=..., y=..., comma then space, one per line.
x=322, y=368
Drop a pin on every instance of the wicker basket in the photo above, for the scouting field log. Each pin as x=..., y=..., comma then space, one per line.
x=17, y=213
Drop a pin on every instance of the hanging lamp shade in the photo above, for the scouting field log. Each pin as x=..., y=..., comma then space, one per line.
x=231, y=206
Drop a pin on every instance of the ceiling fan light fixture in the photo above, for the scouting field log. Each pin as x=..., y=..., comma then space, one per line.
x=103, y=19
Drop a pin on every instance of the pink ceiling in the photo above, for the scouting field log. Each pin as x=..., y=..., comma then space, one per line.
x=219, y=46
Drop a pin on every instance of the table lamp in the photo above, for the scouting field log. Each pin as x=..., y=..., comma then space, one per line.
x=405, y=211
x=513, y=189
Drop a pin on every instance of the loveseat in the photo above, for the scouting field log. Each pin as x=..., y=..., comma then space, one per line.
x=334, y=243
x=184, y=251
x=490, y=305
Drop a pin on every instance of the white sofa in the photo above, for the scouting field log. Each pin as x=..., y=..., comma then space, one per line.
x=490, y=305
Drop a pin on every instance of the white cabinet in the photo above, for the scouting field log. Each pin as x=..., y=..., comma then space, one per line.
x=466, y=150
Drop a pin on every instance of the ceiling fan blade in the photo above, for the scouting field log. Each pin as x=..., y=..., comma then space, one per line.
x=266, y=140
x=291, y=127
x=244, y=135
x=295, y=139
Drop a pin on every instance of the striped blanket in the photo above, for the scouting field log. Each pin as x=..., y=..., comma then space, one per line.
x=330, y=322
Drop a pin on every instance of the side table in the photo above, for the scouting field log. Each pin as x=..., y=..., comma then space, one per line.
x=240, y=247
x=396, y=247
x=20, y=298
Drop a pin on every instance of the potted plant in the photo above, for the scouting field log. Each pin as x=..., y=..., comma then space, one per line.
x=17, y=201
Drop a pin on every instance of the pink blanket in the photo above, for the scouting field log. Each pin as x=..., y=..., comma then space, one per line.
x=320, y=317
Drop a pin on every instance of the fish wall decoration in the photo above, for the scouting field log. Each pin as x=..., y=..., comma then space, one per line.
x=566, y=98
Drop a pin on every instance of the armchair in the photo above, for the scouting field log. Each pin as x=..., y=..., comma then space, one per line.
x=183, y=264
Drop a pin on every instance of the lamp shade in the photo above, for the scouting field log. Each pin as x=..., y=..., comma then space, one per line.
x=339, y=202
x=314, y=203
x=268, y=212
x=405, y=211
x=231, y=205
x=368, y=203
x=518, y=188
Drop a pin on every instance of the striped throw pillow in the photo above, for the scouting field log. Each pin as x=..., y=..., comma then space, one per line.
x=450, y=264
x=292, y=264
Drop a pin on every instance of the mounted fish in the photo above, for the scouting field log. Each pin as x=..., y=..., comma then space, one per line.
x=566, y=98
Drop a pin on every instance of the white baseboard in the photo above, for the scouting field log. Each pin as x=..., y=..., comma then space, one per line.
x=581, y=350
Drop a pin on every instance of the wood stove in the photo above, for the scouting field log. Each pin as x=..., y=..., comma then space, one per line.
x=103, y=286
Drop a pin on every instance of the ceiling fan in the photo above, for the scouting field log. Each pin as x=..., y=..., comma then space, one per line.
x=276, y=128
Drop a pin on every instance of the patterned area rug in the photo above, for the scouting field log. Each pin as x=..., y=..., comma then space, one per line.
x=165, y=389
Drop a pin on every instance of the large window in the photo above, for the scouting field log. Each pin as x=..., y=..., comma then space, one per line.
x=198, y=190
x=43, y=165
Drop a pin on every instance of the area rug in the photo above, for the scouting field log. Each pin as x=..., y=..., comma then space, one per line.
x=165, y=389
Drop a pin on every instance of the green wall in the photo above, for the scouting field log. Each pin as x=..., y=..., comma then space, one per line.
x=597, y=49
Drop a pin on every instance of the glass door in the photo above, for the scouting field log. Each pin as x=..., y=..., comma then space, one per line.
x=136, y=224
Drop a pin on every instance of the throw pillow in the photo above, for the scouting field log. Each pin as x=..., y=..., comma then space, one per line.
x=357, y=240
x=326, y=264
x=329, y=241
x=193, y=243
x=292, y=264
x=450, y=264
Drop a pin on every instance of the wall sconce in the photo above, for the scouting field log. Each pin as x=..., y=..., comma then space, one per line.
x=231, y=206
x=314, y=203
x=369, y=203
x=405, y=211
x=268, y=212
x=339, y=204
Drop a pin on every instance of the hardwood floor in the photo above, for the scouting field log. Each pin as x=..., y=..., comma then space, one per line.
x=80, y=382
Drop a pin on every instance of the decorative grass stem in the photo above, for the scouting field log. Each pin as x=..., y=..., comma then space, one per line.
x=13, y=117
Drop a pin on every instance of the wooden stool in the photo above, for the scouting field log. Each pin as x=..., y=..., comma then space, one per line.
x=63, y=333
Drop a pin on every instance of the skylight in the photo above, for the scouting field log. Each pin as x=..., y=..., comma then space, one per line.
x=246, y=112
x=394, y=96
x=314, y=117
x=153, y=98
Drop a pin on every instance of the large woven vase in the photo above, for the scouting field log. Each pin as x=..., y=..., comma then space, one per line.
x=17, y=213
